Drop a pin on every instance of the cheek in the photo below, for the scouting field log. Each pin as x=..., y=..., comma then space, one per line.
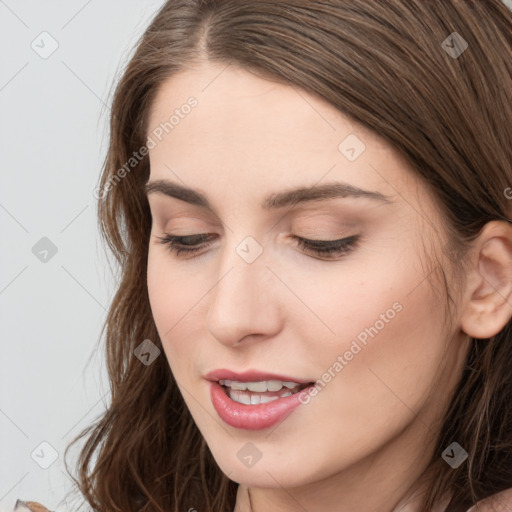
x=390, y=355
x=173, y=292
x=173, y=298
x=381, y=330
x=162, y=294
x=387, y=379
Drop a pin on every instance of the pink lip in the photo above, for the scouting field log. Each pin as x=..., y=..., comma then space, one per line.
x=252, y=417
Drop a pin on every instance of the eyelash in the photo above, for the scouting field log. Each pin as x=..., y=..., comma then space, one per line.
x=318, y=247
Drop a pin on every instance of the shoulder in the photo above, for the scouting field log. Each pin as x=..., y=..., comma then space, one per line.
x=29, y=506
x=501, y=502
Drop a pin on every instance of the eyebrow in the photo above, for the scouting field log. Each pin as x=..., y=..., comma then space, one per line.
x=274, y=200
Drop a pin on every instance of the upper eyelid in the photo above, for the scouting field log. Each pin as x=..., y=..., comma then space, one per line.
x=163, y=218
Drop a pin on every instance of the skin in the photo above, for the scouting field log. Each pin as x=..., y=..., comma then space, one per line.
x=293, y=312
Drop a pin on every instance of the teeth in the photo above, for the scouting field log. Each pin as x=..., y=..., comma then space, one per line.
x=258, y=387
x=246, y=399
x=274, y=385
x=255, y=399
x=238, y=385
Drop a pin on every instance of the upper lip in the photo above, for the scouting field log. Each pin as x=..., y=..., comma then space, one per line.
x=251, y=376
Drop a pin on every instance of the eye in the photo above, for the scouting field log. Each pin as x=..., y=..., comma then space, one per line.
x=192, y=244
x=183, y=244
x=328, y=247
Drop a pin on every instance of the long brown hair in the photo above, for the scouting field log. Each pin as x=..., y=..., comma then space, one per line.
x=386, y=65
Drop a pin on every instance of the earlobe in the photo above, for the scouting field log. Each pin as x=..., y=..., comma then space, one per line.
x=488, y=305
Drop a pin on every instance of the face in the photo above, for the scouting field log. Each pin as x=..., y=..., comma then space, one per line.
x=256, y=305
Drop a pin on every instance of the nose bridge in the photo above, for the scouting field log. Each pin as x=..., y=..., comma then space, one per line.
x=241, y=300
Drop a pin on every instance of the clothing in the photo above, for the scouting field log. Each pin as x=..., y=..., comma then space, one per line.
x=29, y=506
x=501, y=502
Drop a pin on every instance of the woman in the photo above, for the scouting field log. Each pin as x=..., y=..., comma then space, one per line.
x=310, y=203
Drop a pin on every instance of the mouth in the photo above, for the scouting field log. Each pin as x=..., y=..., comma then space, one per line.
x=260, y=392
x=255, y=400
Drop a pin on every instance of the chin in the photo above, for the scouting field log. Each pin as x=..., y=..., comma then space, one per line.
x=273, y=470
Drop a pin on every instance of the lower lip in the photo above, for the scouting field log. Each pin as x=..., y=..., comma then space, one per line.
x=253, y=417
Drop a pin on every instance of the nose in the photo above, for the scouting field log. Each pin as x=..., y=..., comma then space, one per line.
x=244, y=301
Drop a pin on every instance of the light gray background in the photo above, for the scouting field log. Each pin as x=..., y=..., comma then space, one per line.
x=54, y=128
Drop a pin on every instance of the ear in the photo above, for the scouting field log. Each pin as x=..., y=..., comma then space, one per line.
x=488, y=297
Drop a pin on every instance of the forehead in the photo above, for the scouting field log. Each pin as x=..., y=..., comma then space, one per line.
x=234, y=101
x=244, y=130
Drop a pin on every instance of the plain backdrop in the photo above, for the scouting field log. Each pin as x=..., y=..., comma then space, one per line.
x=58, y=63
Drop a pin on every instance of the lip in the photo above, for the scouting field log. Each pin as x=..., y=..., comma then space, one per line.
x=253, y=417
x=250, y=376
